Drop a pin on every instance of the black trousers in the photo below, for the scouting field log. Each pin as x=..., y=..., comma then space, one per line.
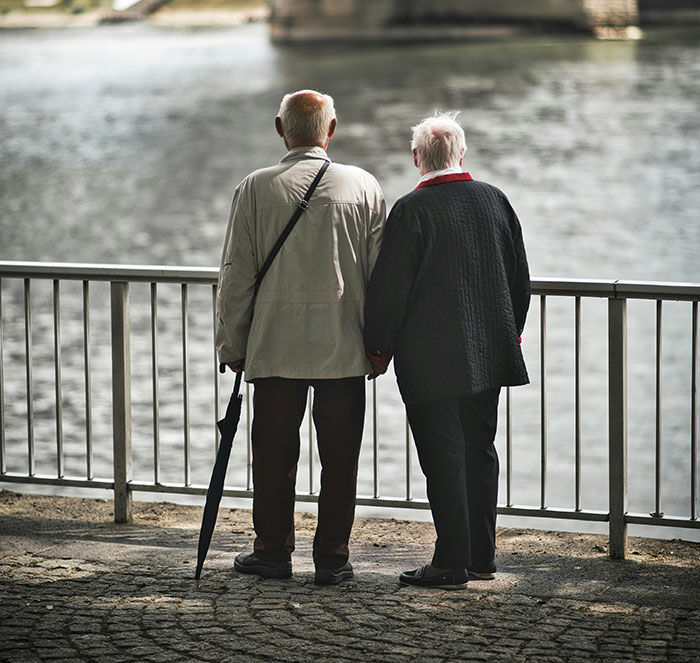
x=338, y=414
x=455, y=442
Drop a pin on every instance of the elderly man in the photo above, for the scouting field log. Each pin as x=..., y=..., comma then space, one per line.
x=448, y=299
x=303, y=328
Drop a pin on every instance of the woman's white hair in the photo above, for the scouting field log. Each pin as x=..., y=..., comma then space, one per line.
x=439, y=141
x=305, y=124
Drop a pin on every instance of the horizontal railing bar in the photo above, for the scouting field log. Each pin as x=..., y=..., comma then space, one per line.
x=180, y=274
x=199, y=489
x=657, y=290
x=663, y=521
x=557, y=514
x=572, y=287
x=615, y=289
x=301, y=497
x=41, y=480
x=398, y=503
x=532, y=512
x=242, y=492
x=179, y=489
x=100, y=272
x=387, y=502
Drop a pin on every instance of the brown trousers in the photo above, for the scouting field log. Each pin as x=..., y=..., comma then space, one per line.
x=338, y=414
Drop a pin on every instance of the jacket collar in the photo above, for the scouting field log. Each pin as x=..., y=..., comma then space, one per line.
x=299, y=153
x=450, y=170
x=441, y=179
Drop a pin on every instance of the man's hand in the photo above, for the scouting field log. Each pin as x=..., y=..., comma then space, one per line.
x=379, y=366
x=237, y=366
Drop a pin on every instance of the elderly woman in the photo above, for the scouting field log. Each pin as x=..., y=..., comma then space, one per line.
x=447, y=300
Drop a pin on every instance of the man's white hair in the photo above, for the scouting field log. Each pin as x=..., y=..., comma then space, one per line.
x=303, y=125
x=439, y=141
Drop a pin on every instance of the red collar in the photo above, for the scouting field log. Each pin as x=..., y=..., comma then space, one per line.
x=441, y=179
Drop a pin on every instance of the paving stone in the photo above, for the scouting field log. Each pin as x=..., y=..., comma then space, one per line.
x=140, y=603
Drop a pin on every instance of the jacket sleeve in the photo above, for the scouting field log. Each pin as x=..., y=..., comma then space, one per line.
x=377, y=218
x=237, y=272
x=391, y=284
x=519, y=279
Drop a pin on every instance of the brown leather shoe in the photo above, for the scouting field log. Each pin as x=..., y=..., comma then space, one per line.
x=333, y=576
x=251, y=563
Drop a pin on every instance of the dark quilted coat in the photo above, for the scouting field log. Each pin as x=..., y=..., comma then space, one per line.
x=450, y=291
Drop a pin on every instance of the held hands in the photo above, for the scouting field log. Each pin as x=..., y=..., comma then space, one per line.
x=379, y=366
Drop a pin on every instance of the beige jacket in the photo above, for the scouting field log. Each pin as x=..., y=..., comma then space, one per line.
x=309, y=313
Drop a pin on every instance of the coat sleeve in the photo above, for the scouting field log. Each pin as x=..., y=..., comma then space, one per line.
x=519, y=279
x=391, y=284
x=237, y=272
x=376, y=228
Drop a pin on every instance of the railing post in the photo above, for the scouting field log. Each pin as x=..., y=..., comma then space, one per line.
x=3, y=463
x=617, y=421
x=121, y=401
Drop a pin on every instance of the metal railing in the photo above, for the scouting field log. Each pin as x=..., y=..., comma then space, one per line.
x=20, y=352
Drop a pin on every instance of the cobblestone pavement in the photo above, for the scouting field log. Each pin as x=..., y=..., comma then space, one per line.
x=76, y=587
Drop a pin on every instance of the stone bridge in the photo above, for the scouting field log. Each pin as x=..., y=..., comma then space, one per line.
x=319, y=20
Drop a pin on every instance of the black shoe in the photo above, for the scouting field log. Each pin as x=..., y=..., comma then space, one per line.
x=450, y=579
x=333, y=576
x=479, y=571
x=251, y=563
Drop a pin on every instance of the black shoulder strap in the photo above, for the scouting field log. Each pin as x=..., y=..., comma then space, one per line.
x=303, y=205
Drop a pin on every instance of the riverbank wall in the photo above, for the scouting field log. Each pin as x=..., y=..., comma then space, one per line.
x=386, y=20
x=405, y=20
x=157, y=12
x=668, y=12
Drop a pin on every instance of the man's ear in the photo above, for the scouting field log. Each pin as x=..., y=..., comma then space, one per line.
x=415, y=158
x=331, y=128
x=278, y=126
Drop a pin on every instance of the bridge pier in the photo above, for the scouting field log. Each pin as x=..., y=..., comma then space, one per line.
x=406, y=20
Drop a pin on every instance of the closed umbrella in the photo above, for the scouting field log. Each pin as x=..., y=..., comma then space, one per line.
x=227, y=427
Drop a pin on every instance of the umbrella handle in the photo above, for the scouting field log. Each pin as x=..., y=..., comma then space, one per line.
x=237, y=384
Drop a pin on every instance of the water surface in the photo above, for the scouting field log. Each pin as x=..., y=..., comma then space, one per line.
x=123, y=144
